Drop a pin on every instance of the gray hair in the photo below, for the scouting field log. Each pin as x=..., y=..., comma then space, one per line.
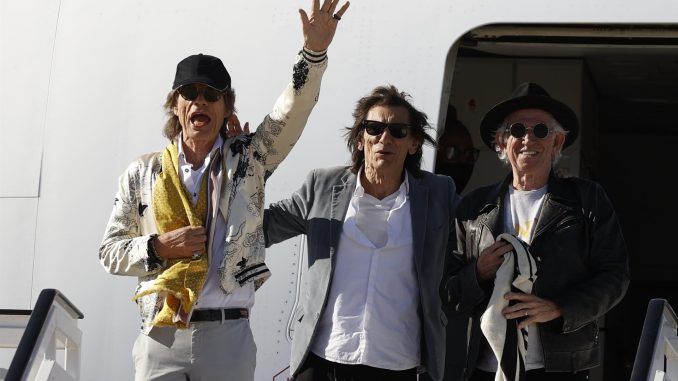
x=501, y=131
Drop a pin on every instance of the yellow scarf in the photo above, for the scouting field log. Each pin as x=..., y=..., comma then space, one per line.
x=173, y=207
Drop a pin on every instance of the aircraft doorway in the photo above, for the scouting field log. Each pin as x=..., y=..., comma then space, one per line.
x=622, y=81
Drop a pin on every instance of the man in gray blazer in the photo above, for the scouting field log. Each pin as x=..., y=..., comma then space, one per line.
x=378, y=234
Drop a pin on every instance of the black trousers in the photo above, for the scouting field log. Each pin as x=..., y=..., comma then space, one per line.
x=536, y=375
x=319, y=369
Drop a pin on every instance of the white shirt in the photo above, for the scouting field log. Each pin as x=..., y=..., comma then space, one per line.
x=211, y=295
x=371, y=313
x=190, y=177
x=521, y=210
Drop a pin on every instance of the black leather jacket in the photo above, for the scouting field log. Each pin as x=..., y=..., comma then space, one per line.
x=582, y=267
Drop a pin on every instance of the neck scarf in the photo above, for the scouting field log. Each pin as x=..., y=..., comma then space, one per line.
x=183, y=278
x=517, y=274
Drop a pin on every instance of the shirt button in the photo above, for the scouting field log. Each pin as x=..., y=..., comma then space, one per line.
x=186, y=170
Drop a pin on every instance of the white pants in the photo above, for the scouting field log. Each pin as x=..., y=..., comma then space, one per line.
x=214, y=350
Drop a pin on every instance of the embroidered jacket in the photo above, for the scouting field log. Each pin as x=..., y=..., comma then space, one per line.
x=246, y=163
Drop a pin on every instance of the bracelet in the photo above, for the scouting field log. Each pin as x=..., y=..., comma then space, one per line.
x=151, y=248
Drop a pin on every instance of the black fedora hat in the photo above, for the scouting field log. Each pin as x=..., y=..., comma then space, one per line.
x=529, y=95
x=202, y=68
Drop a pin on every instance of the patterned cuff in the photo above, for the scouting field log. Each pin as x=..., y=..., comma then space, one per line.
x=313, y=56
x=154, y=259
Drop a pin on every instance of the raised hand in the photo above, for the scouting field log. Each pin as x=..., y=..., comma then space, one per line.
x=320, y=27
x=233, y=127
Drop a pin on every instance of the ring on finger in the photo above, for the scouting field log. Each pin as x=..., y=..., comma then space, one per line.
x=336, y=16
x=525, y=312
x=196, y=255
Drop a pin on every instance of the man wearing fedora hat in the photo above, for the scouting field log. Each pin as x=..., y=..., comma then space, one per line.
x=570, y=230
x=187, y=221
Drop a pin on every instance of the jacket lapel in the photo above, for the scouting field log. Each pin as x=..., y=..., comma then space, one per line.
x=418, y=195
x=558, y=203
x=341, y=197
x=493, y=211
x=228, y=163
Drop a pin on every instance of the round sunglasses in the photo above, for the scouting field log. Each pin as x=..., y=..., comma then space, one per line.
x=375, y=128
x=192, y=92
x=519, y=130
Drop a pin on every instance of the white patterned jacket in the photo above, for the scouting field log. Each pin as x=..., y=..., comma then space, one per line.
x=246, y=162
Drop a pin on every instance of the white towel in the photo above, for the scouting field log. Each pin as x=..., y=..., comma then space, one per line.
x=517, y=273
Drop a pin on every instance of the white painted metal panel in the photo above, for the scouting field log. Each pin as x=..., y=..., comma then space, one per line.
x=17, y=237
x=27, y=30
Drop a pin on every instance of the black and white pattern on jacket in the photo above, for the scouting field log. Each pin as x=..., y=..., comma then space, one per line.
x=299, y=75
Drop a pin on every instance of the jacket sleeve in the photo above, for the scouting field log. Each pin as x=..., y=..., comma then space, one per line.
x=464, y=291
x=607, y=261
x=280, y=130
x=289, y=218
x=124, y=250
x=451, y=244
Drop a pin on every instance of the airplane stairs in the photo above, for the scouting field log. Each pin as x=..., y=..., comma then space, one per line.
x=657, y=354
x=46, y=340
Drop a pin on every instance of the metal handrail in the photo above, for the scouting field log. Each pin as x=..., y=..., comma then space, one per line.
x=658, y=310
x=35, y=326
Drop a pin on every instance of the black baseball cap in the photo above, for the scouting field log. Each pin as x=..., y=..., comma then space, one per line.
x=202, y=68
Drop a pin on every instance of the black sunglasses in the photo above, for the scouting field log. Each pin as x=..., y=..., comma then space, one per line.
x=397, y=130
x=458, y=154
x=192, y=92
x=518, y=130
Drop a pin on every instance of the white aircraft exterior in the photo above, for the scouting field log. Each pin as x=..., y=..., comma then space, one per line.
x=82, y=84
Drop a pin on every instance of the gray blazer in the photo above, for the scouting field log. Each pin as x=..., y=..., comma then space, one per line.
x=318, y=210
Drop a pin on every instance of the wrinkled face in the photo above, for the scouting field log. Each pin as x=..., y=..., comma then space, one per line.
x=200, y=120
x=384, y=152
x=529, y=154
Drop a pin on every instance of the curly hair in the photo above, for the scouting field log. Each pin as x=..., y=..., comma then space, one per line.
x=387, y=96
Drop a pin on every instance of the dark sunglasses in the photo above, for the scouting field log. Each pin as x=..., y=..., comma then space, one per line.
x=192, y=92
x=458, y=154
x=397, y=130
x=518, y=130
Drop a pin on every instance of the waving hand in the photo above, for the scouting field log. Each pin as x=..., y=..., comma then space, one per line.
x=320, y=27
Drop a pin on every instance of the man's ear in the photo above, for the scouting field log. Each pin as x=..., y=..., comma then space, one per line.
x=559, y=142
x=414, y=148
x=500, y=143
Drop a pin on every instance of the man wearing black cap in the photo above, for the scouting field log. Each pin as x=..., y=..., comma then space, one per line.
x=187, y=221
x=571, y=233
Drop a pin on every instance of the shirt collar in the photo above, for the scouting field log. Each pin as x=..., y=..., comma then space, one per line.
x=182, y=156
x=360, y=191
